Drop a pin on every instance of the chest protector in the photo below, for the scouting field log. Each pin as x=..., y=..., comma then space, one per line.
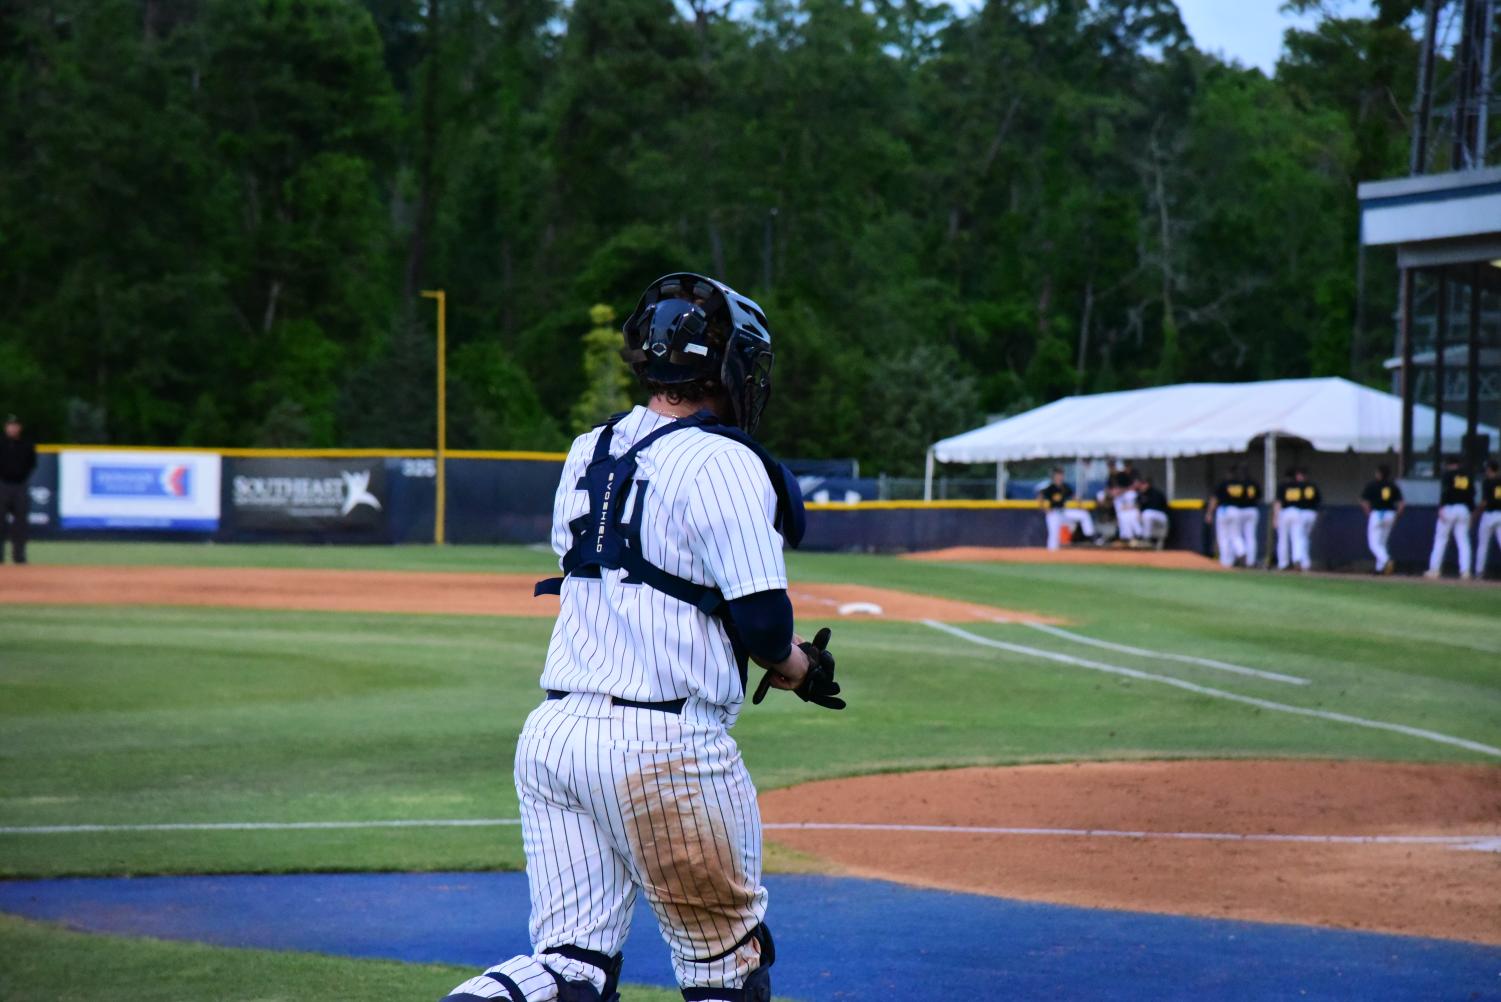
x=605, y=538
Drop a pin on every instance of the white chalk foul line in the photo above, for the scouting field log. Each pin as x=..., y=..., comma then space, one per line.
x=1080, y=638
x=1204, y=690
x=1486, y=843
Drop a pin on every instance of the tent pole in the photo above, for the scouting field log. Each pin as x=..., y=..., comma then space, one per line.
x=927, y=478
x=1002, y=477
x=1172, y=478
x=1079, y=485
x=1268, y=488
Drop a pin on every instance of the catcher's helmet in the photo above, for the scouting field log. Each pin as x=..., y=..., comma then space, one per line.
x=689, y=327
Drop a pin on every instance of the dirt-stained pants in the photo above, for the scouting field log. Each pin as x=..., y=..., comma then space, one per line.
x=616, y=800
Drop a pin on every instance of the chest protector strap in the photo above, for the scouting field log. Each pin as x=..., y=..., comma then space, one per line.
x=603, y=538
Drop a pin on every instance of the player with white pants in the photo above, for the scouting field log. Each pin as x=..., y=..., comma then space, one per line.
x=1128, y=515
x=1383, y=503
x=1294, y=513
x=1155, y=523
x=1056, y=514
x=1488, y=514
x=1234, y=514
x=669, y=521
x=1122, y=490
x=1456, y=497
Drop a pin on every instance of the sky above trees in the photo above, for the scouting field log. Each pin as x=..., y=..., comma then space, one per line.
x=1250, y=31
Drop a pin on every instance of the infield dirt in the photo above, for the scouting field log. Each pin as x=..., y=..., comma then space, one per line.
x=414, y=592
x=1414, y=889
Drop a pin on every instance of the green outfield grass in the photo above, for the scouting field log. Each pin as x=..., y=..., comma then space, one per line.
x=41, y=961
x=152, y=715
x=143, y=715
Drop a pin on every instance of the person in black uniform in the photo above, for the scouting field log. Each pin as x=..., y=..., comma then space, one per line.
x=17, y=460
x=1488, y=513
x=1456, y=498
x=1289, y=493
x=1383, y=503
x=1294, y=511
x=1053, y=499
x=1234, y=514
x=1153, y=506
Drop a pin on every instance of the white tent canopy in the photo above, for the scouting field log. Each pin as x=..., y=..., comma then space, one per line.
x=1196, y=419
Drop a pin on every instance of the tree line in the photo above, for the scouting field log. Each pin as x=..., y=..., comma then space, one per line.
x=217, y=216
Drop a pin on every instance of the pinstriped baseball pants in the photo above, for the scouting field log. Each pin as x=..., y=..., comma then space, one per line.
x=616, y=800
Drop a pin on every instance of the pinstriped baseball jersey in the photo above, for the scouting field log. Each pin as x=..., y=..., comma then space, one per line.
x=619, y=800
x=702, y=508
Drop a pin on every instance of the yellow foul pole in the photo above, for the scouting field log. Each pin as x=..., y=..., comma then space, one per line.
x=441, y=471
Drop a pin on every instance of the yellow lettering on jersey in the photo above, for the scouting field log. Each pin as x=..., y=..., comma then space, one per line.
x=1234, y=490
x=1386, y=493
x=1463, y=483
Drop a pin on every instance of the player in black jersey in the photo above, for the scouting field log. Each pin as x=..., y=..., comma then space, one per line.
x=1456, y=497
x=1154, y=512
x=1488, y=514
x=1382, y=501
x=1054, y=499
x=1294, y=510
x=1234, y=513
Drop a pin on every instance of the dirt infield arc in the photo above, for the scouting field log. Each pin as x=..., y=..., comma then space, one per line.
x=416, y=592
x=1399, y=886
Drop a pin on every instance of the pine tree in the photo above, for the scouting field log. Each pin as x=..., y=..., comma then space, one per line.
x=607, y=381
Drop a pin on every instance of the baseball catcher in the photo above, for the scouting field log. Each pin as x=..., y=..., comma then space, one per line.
x=669, y=523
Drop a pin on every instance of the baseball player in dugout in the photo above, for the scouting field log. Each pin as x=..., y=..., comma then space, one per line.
x=1488, y=512
x=17, y=461
x=1123, y=496
x=1294, y=511
x=1456, y=498
x=1383, y=503
x=1155, y=522
x=669, y=523
x=1056, y=513
x=1234, y=514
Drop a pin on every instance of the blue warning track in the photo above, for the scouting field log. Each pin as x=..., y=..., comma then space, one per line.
x=837, y=938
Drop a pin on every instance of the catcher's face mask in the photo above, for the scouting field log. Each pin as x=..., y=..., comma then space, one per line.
x=687, y=327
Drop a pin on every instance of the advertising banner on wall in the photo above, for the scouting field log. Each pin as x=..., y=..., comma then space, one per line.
x=308, y=495
x=138, y=490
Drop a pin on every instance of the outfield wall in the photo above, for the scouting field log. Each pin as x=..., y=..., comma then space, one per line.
x=385, y=497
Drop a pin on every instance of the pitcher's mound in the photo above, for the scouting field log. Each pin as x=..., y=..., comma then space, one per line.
x=1412, y=849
